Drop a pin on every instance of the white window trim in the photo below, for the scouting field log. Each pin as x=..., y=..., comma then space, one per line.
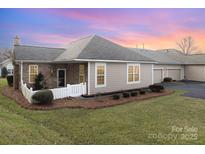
x=30, y=72
x=134, y=82
x=105, y=75
x=58, y=76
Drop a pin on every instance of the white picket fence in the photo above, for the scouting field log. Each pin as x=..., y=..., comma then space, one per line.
x=58, y=93
x=69, y=91
x=26, y=91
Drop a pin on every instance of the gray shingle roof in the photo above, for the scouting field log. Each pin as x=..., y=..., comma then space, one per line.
x=98, y=48
x=95, y=47
x=92, y=47
x=159, y=56
x=34, y=53
x=183, y=58
x=195, y=59
x=171, y=56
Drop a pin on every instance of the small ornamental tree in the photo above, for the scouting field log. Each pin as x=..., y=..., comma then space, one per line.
x=40, y=82
x=4, y=72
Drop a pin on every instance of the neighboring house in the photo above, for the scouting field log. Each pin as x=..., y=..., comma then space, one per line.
x=167, y=64
x=172, y=63
x=104, y=66
x=7, y=64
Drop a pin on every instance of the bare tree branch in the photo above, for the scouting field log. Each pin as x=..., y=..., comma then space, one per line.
x=6, y=54
x=187, y=45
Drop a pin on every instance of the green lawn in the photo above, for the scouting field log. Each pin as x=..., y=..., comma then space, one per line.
x=131, y=123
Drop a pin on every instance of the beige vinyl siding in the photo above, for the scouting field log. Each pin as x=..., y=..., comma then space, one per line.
x=158, y=75
x=116, y=78
x=195, y=72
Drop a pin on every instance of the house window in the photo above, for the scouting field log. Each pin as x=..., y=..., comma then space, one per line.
x=33, y=72
x=81, y=73
x=133, y=73
x=10, y=71
x=100, y=75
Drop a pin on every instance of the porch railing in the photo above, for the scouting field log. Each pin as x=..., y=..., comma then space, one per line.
x=75, y=90
x=69, y=91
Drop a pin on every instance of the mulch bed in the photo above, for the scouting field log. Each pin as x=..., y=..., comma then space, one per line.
x=91, y=103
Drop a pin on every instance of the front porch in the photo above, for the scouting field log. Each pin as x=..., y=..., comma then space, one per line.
x=64, y=80
x=56, y=75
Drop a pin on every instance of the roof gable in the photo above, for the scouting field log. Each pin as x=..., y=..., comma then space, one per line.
x=98, y=48
x=73, y=49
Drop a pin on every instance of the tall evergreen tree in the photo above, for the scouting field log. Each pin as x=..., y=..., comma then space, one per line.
x=40, y=82
x=4, y=72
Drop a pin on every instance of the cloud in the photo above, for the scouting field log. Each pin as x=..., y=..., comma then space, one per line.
x=130, y=39
x=54, y=40
x=156, y=28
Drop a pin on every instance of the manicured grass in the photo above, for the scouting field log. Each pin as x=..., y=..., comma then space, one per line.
x=131, y=123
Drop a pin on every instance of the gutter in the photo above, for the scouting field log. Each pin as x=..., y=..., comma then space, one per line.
x=85, y=60
x=114, y=61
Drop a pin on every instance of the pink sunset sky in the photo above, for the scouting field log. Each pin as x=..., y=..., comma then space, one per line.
x=156, y=28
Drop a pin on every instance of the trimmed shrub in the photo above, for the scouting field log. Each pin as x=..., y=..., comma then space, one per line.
x=134, y=93
x=115, y=97
x=42, y=97
x=98, y=94
x=142, y=92
x=147, y=90
x=10, y=80
x=4, y=72
x=125, y=95
x=156, y=88
x=167, y=79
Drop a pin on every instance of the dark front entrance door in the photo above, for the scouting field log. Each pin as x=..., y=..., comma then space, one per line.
x=61, y=77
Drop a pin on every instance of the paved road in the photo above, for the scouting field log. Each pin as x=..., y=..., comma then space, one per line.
x=194, y=89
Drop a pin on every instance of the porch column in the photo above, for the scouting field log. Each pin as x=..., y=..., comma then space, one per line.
x=88, y=84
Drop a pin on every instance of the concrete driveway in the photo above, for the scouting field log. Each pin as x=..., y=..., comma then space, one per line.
x=194, y=89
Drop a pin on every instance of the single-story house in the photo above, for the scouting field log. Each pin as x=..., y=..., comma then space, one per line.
x=7, y=63
x=104, y=66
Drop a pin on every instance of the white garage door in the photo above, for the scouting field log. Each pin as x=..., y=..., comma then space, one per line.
x=175, y=74
x=158, y=75
x=195, y=72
